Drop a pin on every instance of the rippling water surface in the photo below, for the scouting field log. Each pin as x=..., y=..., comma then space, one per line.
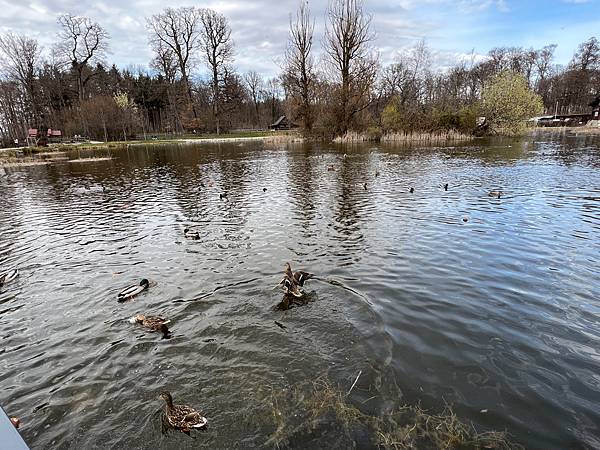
x=437, y=297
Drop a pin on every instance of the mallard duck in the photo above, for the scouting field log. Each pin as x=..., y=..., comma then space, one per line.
x=153, y=323
x=293, y=281
x=191, y=234
x=132, y=291
x=182, y=417
x=8, y=276
x=496, y=194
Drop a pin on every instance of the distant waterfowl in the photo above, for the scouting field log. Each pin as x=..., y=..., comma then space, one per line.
x=365, y=186
x=465, y=219
x=153, y=323
x=132, y=291
x=377, y=173
x=223, y=196
x=496, y=194
x=191, y=234
x=331, y=168
x=182, y=417
x=446, y=187
x=412, y=190
x=264, y=189
x=8, y=276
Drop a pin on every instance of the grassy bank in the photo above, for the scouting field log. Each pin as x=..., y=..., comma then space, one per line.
x=270, y=136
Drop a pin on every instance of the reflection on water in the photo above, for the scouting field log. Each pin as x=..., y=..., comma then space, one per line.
x=497, y=314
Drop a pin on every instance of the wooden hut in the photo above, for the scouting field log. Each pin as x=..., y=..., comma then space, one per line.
x=282, y=124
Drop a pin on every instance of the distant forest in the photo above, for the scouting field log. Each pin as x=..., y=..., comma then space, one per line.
x=73, y=87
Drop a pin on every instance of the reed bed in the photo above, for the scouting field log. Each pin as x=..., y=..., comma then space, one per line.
x=427, y=137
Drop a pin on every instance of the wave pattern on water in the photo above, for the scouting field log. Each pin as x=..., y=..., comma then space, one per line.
x=499, y=312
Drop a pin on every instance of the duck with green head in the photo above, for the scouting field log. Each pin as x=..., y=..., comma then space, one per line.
x=131, y=291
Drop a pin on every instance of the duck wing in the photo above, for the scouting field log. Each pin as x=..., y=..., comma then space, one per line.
x=186, y=417
x=130, y=292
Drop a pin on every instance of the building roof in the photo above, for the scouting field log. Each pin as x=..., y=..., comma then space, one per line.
x=278, y=121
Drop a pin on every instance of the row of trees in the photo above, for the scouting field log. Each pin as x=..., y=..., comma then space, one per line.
x=343, y=88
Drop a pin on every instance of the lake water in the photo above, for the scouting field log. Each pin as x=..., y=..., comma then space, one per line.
x=432, y=297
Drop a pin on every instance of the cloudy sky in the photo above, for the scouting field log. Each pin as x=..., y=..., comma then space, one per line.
x=451, y=28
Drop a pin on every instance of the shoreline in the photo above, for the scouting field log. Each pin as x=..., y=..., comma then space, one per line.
x=7, y=155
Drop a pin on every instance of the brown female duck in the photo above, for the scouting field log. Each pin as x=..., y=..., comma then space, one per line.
x=182, y=417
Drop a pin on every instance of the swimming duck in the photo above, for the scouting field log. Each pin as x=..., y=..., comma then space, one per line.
x=365, y=186
x=8, y=276
x=292, y=282
x=132, y=291
x=182, y=417
x=191, y=234
x=412, y=190
x=331, y=168
x=222, y=196
x=496, y=194
x=446, y=187
x=153, y=323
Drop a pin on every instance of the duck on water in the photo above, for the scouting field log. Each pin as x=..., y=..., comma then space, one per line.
x=182, y=417
x=293, y=282
x=131, y=291
x=153, y=323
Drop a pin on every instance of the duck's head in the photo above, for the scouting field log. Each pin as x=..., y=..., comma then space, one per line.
x=167, y=398
x=165, y=331
x=144, y=283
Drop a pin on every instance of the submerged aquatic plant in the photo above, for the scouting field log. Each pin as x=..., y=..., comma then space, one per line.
x=320, y=409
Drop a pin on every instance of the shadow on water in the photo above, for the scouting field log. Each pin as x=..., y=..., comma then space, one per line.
x=496, y=316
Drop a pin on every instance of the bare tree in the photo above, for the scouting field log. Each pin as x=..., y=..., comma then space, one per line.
x=543, y=60
x=299, y=76
x=176, y=33
x=164, y=61
x=348, y=47
x=82, y=43
x=254, y=83
x=20, y=57
x=217, y=46
x=587, y=56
